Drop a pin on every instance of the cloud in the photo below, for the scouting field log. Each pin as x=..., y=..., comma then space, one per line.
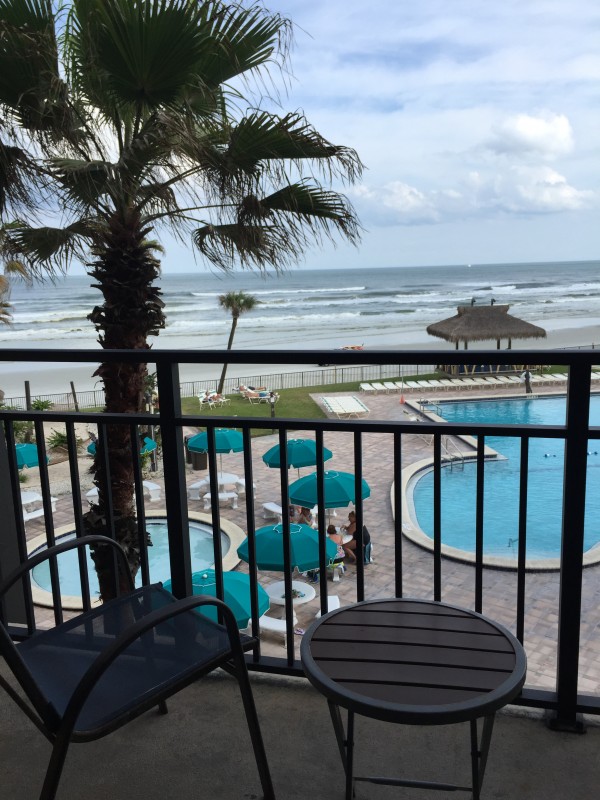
x=543, y=190
x=518, y=191
x=546, y=136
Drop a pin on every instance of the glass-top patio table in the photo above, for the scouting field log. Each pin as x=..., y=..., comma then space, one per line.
x=415, y=662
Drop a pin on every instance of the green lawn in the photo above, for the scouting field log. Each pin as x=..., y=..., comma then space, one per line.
x=292, y=403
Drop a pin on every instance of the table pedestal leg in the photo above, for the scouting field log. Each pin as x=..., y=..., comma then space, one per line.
x=345, y=742
x=479, y=752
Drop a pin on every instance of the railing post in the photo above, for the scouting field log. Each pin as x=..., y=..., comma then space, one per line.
x=174, y=471
x=573, y=526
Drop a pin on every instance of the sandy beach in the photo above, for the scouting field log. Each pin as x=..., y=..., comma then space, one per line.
x=54, y=378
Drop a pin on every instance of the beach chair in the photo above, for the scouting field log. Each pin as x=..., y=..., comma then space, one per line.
x=435, y=382
x=505, y=379
x=390, y=387
x=412, y=385
x=87, y=676
x=379, y=387
x=35, y=513
x=366, y=387
x=493, y=380
x=205, y=402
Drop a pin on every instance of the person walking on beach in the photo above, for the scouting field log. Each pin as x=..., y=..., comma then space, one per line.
x=527, y=378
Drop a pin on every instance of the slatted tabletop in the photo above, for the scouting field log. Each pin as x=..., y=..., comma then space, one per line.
x=413, y=661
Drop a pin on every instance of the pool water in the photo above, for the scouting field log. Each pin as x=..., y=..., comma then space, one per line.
x=202, y=555
x=501, y=485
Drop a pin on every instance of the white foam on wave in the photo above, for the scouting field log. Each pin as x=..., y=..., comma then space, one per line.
x=42, y=335
x=60, y=315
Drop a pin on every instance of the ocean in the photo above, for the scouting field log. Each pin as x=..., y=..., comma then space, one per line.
x=376, y=308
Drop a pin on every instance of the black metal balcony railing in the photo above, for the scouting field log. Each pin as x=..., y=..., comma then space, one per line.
x=566, y=701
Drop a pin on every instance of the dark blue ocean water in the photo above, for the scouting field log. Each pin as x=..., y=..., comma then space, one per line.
x=374, y=307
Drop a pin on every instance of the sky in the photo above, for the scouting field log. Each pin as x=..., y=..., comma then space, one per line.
x=478, y=124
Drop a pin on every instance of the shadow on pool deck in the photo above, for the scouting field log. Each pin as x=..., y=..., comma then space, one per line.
x=202, y=749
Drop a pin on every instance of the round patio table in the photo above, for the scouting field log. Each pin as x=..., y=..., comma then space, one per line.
x=415, y=662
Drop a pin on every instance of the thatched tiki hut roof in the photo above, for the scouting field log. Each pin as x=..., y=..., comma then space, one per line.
x=479, y=323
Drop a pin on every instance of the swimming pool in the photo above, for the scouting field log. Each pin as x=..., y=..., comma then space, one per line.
x=501, y=488
x=201, y=546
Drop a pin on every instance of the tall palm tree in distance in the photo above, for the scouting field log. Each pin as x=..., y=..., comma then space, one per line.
x=151, y=120
x=237, y=303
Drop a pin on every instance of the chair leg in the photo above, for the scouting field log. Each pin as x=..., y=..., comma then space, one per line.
x=162, y=707
x=240, y=672
x=55, y=768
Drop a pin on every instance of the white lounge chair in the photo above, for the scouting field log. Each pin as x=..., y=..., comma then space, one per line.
x=379, y=387
x=390, y=387
x=505, y=379
x=493, y=380
x=366, y=387
x=35, y=513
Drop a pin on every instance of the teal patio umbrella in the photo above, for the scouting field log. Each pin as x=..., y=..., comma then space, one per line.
x=300, y=453
x=227, y=440
x=236, y=594
x=304, y=548
x=339, y=490
x=27, y=455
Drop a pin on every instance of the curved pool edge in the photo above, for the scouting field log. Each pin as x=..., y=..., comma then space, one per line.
x=417, y=536
x=73, y=603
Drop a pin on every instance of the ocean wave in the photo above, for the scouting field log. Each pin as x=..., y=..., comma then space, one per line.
x=266, y=292
x=62, y=315
x=44, y=334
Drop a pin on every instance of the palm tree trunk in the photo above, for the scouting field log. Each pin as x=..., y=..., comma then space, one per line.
x=125, y=270
x=229, y=346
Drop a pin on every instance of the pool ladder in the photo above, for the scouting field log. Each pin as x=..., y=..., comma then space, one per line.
x=452, y=453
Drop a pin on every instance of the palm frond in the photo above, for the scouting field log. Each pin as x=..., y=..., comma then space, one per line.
x=238, y=40
x=50, y=248
x=85, y=181
x=132, y=56
x=259, y=246
x=31, y=86
x=262, y=137
x=303, y=205
x=17, y=169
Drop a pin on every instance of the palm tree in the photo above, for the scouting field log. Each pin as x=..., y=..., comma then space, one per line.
x=10, y=268
x=157, y=142
x=237, y=303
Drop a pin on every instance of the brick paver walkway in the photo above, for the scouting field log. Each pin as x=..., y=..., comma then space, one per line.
x=458, y=580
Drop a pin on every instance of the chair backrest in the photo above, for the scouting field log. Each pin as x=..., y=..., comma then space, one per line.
x=10, y=651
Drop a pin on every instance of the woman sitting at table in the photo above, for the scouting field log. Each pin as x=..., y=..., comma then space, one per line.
x=336, y=537
x=304, y=517
x=350, y=528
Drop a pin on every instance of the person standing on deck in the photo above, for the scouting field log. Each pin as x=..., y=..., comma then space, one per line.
x=527, y=378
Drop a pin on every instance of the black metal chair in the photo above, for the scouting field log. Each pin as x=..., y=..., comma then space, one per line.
x=91, y=674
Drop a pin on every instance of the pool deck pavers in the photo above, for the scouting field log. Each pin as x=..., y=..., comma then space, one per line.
x=458, y=579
